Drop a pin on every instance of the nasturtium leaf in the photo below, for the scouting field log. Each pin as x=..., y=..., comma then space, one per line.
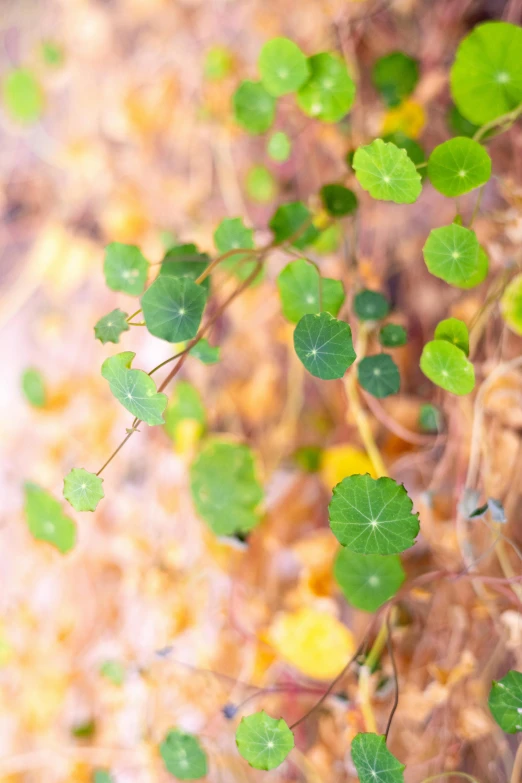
x=379, y=375
x=279, y=146
x=460, y=125
x=395, y=76
x=33, y=387
x=183, y=755
x=511, y=304
x=374, y=762
x=260, y=184
x=263, y=741
x=393, y=336
x=114, y=671
x=329, y=239
x=300, y=287
x=308, y=458
x=486, y=77
x=225, y=488
x=185, y=261
x=254, y=107
x=447, y=366
x=218, y=63
x=370, y=305
x=455, y=332
x=458, y=166
x=102, y=776
x=283, y=67
x=387, y=173
x=329, y=92
x=22, y=96
x=173, y=307
x=479, y=275
x=505, y=702
x=338, y=200
x=185, y=403
x=293, y=223
x=430, y=418
x=372, y=516
x=46, y=520
x=324, y=345
x=451, y=253
x=82, y=489
x=125, y=268
x=109, y=328
x=414, y=150
x=229, y=235
x=134, y=388
x=333, y=295
x=367, y=581
x=206, y=353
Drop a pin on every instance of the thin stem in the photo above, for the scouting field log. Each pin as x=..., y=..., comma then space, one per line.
x=133, y=315
x=122, y=444
x=377, y=648
x=506, y=119
x=395, y=676
x=134, y=323
x=421, y=165
x=477, y=206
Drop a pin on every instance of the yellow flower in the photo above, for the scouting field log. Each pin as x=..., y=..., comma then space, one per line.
x=340, y=461
x=409, y=118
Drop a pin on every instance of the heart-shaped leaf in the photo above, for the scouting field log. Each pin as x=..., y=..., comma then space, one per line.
x=125, y=268
x=263, y=741
x=134, y=388
x=82, y=489
x=283, y=67
x=458, y=166
x=447, y=366
x=46, y=520
x=387, y=173
x=109, y=328
x=173, y=307
x=324, y=345
x=183, y=756
x=451, y=253
x=454, y=331
x=329, y=92
x=374, y=762
x=368, y=581
x=379, y=375
x=505, y=702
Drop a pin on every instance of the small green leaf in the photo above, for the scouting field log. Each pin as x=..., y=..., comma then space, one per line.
x=185, y=261
x=299, y=287
x=505, y=702
x=33, y=387
x=283, y=67
x=455, y=332
x=414, y=150
x=293, y=222
x=84, y=730
x=225, y=488
x=308, y=458
x=263, y=741
x=379, y=375
x=458, y=166
x=368, y=581
x=447, y=366
x=430, y=419
x=183, y=756
x=279, y=147
x=451, y=253
x=372, y=516
x=82, y=489
x=374, y=762
x=338, y=200
x=173, y=308
x=102, y=776
x=370, y=305
x=324, y=345
x=52, y=53
x=125, y=268
x=134, y=388
x=395, y=76
x=185, y=403
x=393, y=336
x=218, y=63
x=114, y=671
x=328, y=240
x=261, y=185
x=109, y=328
x=229, y=235
x=23, y=96
x=511, y=304
x=387, y=173
x=329, y=92
x=206, y=353
x=254, y=107
x=46, y=520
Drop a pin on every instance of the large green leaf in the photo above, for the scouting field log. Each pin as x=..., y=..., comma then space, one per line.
x=458, y=166
x=511, y=304
x=125, y=268
x=134, y=388
x=283, y=67
x=374, y=762
x=33, y=387
x=109, y=328
x=22, y=95
x=387, y=172
x=324, y=345
x=82, y=489
x=379, y=375
x=372, y=516
x=451, y=253
x=173, y=307
x=447, y=366
x=395, y=76
x=185, y=261
x=46, y=520
x=505, y=702
x=293, y=223
x=330, y=91
x=263, y=741
x=300, y=287
x=368, y=581
x=254, y=107
x=183, y=756
x=370, y=305
x=455, y=332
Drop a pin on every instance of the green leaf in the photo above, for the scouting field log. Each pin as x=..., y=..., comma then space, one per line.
x=185, y=261
x=33, y=387
x=486, y=77
x=229, y=235
x=185, y=403
x=458, y=166
x=206, y=353
x=218, y=63
x=387, y=173
x=173, y=308
x=368, y=581
x=379, y=375
x=370, y=305
x=460, y=125
x=82, y=489
x=114, y=671
x=374, y=762
x=299, y=286
x=52, y=53
x=338, y=200
x=395, y=76
x=308, y=458
x=324, y=345
x=183, y=756
x=372, y=516
x=511, y=304
x=451, y=253
x=23, y=96
x=293, y=222
x=85, y=729
x=279, y=146
x=333, y=295
x=414, y=150
x=283, y=67
x=109, y=328
x=46, y=520
x=447, y=366
x=479, y=275
x=225, y=488
x=393, y=336
x=125, y=268
x=102, y=776
x=455, y=332
x=329, y=92
x=328, y=240
x=263, y=741
x=505, y=702
x=430, y=419
x=261, y=185
x=134, y=388
x=254, y=107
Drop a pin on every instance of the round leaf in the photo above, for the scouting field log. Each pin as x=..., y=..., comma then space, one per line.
x=374, y=762
x=125, y=268
x=279, y=147
x=393, y=336
x=263, y=741
x=300, y=289
x=329, y=92
x=451, y=253
x=293, y=222
x=183, y=756
x=185, y=261
x=505, y=702
x=446, y=366
x=134, y=388
x=479, y=275
x=379, y=375
x=368, y=581
x=109, y=328
x=430, y=419
x=82, y=489
x=229, y=235
x=22, y=96
x=395, y=76
x=338, y=200
x=458, y=166
x=254, y=107
x=370, y=305
x=173, y=307
x=283, y=67
x=372, y=516
x=511, y=304
x=260, y=184
x=46, y=520
x=218, y=63
x=33, y=387
x=387, y=173
x=455, y=332
x=414, y=150
x=324, y=345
